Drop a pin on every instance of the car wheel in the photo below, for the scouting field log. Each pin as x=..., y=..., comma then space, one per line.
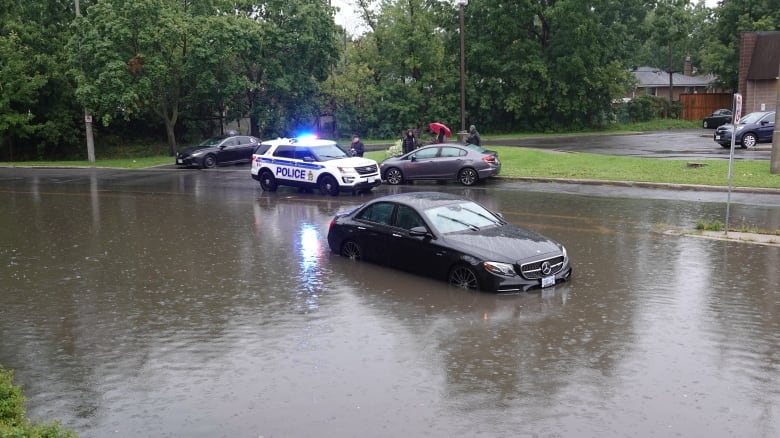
x=329, y=186
x=464, y=277
x=468, y=176
x=749, y=140
x=704, y=125
x=209, y=161
x=394, y=176
x=350, y=249
x=268, y=181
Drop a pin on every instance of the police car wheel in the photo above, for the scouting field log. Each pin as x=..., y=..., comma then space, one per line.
x=209, y=161
x=468, y=176
x=394, y=176
x=329, y=186
x=351, y=249
x=267, y=181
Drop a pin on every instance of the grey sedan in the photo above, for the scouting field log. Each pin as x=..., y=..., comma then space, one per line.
x=468, y=164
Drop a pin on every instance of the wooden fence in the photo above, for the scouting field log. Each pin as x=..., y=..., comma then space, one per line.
x=699, y=106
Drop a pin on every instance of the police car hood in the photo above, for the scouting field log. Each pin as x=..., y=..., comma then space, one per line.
x=352, y=162
x=506, y=243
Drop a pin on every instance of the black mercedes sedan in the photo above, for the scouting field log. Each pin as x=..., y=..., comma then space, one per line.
x=449, y=237
x=717, y=118
x=222, y=149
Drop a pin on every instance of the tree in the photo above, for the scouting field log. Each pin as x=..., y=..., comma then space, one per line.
x=730, y=18
x=549, y=65
x=130, y=55
x=36, y=102
x=295, y=49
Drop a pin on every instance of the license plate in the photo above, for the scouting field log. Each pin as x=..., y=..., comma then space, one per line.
x=179, y=161
x=548, y=281
x=717, y=137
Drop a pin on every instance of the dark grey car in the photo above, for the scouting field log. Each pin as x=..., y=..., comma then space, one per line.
x=230, y=149
x=468, y=164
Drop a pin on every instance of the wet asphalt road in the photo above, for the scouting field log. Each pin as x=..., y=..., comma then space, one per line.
x=179, y=302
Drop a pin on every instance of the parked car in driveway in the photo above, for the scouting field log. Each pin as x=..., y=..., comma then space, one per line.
x=222, y=149
x=449, y=237
x=717, y=118
x=468, y=164
x=752, y=129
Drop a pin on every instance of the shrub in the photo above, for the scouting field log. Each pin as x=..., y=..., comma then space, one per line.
x=13, y=421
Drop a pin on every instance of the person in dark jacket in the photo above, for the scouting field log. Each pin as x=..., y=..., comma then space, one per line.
x=358, y=148
x=473, y=137
x=409, y=142
x=440, y=137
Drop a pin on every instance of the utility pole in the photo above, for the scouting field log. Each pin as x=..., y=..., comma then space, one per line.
x=87, y=115
x=774, y=161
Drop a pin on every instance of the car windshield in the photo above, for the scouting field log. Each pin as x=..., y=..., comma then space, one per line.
x=751, y=118
x=330, y=152
x=464, y=216
x=213, y=141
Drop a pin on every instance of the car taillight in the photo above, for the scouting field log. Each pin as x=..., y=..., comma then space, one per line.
x=489, y=159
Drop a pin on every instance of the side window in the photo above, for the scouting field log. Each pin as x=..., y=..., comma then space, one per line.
x=285, y=152
x=231, y=142
x=407, y=218
x=426, y=153
x=451, y=152
x=380, y=213
x=303, y=153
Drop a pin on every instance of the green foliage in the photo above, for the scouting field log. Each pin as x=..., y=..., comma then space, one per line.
x=645, y=108
x=13, y=420
x=721, y=48
x=709, y=226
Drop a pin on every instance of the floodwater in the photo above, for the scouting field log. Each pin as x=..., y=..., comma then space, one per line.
x=190, y=303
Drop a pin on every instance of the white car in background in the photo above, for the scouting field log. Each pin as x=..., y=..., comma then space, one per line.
x=311, y=163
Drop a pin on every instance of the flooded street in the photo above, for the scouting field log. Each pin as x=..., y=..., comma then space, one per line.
x=169, y=303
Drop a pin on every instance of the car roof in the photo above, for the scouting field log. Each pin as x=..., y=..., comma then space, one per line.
x=422, y=200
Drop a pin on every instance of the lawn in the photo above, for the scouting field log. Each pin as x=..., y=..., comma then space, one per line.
x=526, y=162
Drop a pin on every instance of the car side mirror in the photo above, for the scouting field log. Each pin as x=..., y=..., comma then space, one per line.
x=413, y=158
x=419, y=232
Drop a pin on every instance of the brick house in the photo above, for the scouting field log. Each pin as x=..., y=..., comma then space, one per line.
x=658, y=82
x=759, y=69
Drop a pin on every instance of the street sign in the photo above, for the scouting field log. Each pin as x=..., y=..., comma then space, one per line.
x=737, y=107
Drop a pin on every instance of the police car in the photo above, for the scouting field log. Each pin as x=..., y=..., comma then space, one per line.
x=312, y=163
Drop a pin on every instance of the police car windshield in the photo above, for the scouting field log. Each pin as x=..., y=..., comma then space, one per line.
x=330, y=152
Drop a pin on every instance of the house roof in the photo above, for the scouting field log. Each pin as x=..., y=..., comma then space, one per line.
x=657, y=77
x=765, y=63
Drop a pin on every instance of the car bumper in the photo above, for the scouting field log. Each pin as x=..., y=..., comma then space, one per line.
x=487, y=173
x=517, y=283
x=360, y=183
x=187, y=161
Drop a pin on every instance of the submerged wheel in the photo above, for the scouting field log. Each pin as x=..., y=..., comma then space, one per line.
x=268, y=181
x=209, y=161
x=468, y=176
x=351, y=249
x=464, y=277
x=394, y=176
x=749, y=140
x=329, y=186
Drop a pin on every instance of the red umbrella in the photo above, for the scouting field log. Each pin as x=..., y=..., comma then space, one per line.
x=436, y=127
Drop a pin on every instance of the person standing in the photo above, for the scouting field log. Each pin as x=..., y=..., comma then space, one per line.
x=409, y=142
x=440, y=137
x=358, y=148
x=473, y=137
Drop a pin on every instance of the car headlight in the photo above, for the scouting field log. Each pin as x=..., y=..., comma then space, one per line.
x=196, y=154
x=347, y=170
x=499, y=268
